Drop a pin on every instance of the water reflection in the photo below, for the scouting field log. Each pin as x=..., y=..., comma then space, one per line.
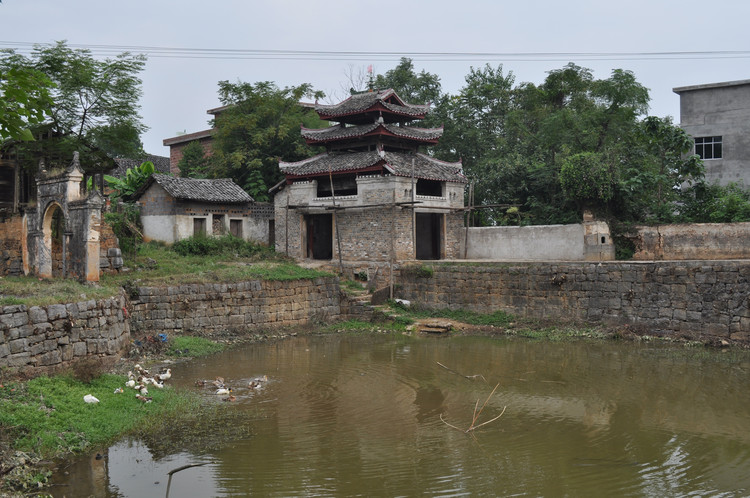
x=360, y=416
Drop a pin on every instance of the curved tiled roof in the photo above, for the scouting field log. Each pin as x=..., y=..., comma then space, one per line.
x=397, y=163
x=361, y=102
x=338, y=133
x=222, y=190
x=334, y=133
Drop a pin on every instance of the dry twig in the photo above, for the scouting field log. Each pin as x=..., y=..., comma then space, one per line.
x=473, y=425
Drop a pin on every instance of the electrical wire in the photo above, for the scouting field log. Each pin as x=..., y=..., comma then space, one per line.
x=318, y=55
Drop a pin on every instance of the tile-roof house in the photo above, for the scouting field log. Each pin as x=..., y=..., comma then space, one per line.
x=173, y=209
x=372, y=196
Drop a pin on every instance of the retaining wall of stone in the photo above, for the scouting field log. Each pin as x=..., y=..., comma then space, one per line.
x=255, y=304
x=693, y=299
x=42, y=339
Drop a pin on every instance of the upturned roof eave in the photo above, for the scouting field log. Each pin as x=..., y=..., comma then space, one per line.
x=379, y=166
x=375, y=107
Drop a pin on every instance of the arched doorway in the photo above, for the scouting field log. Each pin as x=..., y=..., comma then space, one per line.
x=53, y=227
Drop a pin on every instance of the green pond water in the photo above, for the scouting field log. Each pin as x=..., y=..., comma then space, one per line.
x=372, y=416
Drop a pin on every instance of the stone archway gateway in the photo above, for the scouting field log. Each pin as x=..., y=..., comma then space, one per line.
x=53, y=254
x=63, y=231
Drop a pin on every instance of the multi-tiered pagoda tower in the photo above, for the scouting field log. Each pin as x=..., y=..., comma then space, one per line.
x=372, y=197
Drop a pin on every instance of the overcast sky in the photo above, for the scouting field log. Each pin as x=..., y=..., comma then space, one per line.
x=179, y=90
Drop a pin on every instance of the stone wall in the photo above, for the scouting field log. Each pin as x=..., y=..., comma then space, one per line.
x=215, y=307
x=692, y=241
x=42, y=339
x=695, y=299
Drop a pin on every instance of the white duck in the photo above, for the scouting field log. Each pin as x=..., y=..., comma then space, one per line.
x=90, y=399
x=164, y=375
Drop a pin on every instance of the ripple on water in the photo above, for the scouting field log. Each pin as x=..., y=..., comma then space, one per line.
x=361, y=416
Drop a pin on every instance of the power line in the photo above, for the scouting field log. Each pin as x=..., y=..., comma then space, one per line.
x=318, y=55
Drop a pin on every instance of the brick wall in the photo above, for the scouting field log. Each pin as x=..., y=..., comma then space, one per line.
x=175, y=152
x=692, y=299
x=11, y=257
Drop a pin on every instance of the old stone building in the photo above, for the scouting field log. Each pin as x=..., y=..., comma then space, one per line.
x=372, y=196
x=177, y=208
x=717, y=116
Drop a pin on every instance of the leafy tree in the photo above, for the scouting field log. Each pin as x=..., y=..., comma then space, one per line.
x=587, y=179
x=194, y=162
x=24, y=98
x=414, y=88
x=95, y=106
x=514, y=141
x=260, y=127
x=704, y=203
x=655, y=171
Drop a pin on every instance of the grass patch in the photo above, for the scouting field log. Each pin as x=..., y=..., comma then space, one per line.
x=154, y=263
x=48, y=416
x=352, y=286
x=33, y=291
x=558, y=334
x=193, y=346
x=157, y=264
x=358, y=326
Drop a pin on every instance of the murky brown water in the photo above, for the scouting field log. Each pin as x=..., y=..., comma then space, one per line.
x=360, y=416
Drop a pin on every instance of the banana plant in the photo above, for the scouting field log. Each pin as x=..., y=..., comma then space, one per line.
x=123, y=188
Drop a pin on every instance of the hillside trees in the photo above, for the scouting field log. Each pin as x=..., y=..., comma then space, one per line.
x=260, y=126
x=94, y=106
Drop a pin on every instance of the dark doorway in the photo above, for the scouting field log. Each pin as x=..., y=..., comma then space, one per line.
x=428, y=233
x=320, y=236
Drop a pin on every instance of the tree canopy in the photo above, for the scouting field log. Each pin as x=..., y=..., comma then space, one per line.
x=259, y=127
x=572, y=143
x=25, y=99
x=536, y=154
x=93, y=106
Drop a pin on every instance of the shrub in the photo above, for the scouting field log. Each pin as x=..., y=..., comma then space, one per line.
x=418, y=271
x=226, y=245
x=126, y=223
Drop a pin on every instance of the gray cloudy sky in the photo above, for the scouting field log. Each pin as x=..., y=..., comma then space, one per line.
x=179, y=90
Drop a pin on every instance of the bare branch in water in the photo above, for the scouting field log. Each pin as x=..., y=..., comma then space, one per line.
x=470, y=377
x=476, y=414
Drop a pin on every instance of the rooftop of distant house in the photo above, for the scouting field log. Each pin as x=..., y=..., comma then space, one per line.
x=222, y=190
x=710, y=86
